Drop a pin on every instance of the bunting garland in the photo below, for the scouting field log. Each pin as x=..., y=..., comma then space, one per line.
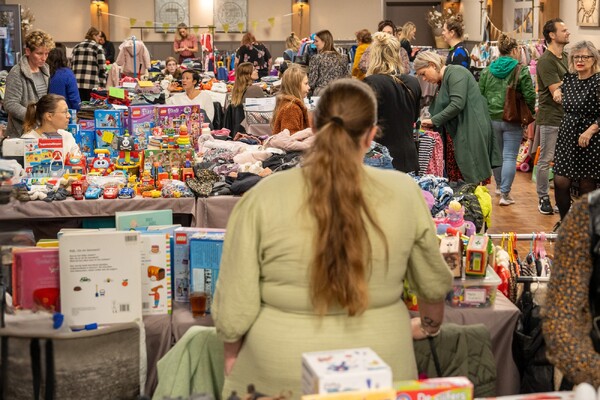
x=495, y=32
x=166, y=26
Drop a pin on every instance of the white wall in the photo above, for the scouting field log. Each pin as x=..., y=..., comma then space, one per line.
x=568, y=13
x=342, y=21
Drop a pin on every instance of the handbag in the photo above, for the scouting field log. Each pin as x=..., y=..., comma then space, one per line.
x=515, y=107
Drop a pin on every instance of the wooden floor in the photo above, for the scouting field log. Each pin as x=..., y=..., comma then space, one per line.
x=523, y=216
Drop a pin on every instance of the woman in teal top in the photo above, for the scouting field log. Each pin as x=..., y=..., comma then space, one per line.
x=493, y=83
x=315, y=258
x=462, y=111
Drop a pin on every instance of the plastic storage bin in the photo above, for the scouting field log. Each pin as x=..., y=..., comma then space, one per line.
x=474, y=292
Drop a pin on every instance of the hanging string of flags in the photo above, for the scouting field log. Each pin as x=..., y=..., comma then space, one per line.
x=169, y=26
x=495, y=32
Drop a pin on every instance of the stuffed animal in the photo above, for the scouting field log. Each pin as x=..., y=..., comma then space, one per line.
x=38, y=192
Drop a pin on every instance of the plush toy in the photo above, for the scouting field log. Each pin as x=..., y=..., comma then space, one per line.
x=38, y=192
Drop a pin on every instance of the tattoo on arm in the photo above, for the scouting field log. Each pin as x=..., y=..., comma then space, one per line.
x=426, y=321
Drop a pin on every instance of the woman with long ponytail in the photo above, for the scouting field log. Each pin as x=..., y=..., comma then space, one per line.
x=315, y=257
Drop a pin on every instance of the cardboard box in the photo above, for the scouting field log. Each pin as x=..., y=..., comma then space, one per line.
x=140, y=124
x=474, y=292
x=131, y=220
x=205, y=258
x=361, y=395
x=181, y=259
x=455, y=388
x=344, y=371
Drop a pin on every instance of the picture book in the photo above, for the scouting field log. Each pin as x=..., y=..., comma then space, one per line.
x=156, y=273
x=205, y=258
x=181, y=259
x=36, y=278
x=131, y=220
x=100, y=277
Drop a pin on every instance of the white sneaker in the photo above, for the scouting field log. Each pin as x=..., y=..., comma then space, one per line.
x=498, y=192
x=506, y=200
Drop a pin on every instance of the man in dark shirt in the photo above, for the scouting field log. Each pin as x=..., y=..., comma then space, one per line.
x=551, y=67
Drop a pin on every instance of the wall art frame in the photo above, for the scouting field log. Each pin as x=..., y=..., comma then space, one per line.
x=172, y=12
x=230, y=15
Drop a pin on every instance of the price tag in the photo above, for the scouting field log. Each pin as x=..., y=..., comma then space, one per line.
x=476, y=296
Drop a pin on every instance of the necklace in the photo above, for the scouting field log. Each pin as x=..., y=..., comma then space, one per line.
x=587, y=13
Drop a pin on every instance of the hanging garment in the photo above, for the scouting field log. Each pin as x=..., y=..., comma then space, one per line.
x=134, y=57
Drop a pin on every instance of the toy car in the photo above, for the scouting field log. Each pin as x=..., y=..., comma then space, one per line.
x=110, y=192
x=126, y=193
x=93, y=192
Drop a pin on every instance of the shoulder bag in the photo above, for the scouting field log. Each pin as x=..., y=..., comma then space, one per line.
x=515, y=107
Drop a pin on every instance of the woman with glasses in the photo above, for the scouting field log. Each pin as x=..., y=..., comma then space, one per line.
x=577, y=152
x=48, y=118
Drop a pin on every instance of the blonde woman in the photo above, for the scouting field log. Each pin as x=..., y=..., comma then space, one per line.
x=460, y=109
x=331, y=275
x=292, y=44
x=290, y=112
x=398, y=97
x=185, y=44
x=406, y=35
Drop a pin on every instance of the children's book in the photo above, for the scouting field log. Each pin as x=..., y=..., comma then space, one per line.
x=36, y=278
x=156, y=273
x=100, y=277
x=132, y=220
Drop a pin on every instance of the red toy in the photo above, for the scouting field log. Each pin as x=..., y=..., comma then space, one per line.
x=101, y=164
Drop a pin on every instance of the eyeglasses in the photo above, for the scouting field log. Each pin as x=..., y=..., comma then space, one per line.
x=582, y=58
x=60, y=112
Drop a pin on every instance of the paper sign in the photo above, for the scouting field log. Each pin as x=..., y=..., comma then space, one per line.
x=3, y=32
x=117, y=93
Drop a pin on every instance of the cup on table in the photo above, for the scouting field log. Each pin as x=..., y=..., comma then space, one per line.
x=198, y=303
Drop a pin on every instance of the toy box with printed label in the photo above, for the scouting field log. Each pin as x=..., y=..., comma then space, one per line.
x=205, y=256
x=181, y=259
x=141, y=122
x=344, y=371
x=112, y=119
x=360, y=395
x=156, y=273
x=100, y=276
x=44, y=157
x=171, y=117
x=474, y=292
x=455, y=388
x=104, y=139
x=86, y=140
x=171, y=162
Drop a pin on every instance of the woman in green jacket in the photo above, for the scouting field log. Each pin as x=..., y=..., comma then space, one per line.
x=492, y=83
x=459, y=108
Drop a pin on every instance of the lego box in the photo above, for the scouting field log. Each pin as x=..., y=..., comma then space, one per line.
x=141, y=122
x=455, y=388
x=344, y=371
x=181, y=259
x=205, y=258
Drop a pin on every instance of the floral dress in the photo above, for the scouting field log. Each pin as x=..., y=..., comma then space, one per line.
x=257, y=54
x=324, y=68
x=581, y=102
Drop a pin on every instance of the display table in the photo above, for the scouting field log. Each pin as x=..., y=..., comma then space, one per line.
x=71, y=208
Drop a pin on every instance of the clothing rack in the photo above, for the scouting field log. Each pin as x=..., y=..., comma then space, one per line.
x=551, y=237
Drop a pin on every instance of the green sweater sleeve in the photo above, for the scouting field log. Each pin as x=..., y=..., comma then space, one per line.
x=454, y=92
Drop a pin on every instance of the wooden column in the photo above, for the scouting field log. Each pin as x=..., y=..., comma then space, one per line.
x=301, y=19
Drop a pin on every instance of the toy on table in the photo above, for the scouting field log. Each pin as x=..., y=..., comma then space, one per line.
x=477, y=255
x=451, y=250
x=75, y=164
x=102, y=164
x=183, y=141
x=454, y=221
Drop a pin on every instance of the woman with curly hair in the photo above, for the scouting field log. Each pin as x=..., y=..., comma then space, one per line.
x=27, y=81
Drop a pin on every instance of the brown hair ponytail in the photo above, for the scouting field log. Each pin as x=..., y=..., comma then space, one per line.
x=35, y=111
x=345, y=113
